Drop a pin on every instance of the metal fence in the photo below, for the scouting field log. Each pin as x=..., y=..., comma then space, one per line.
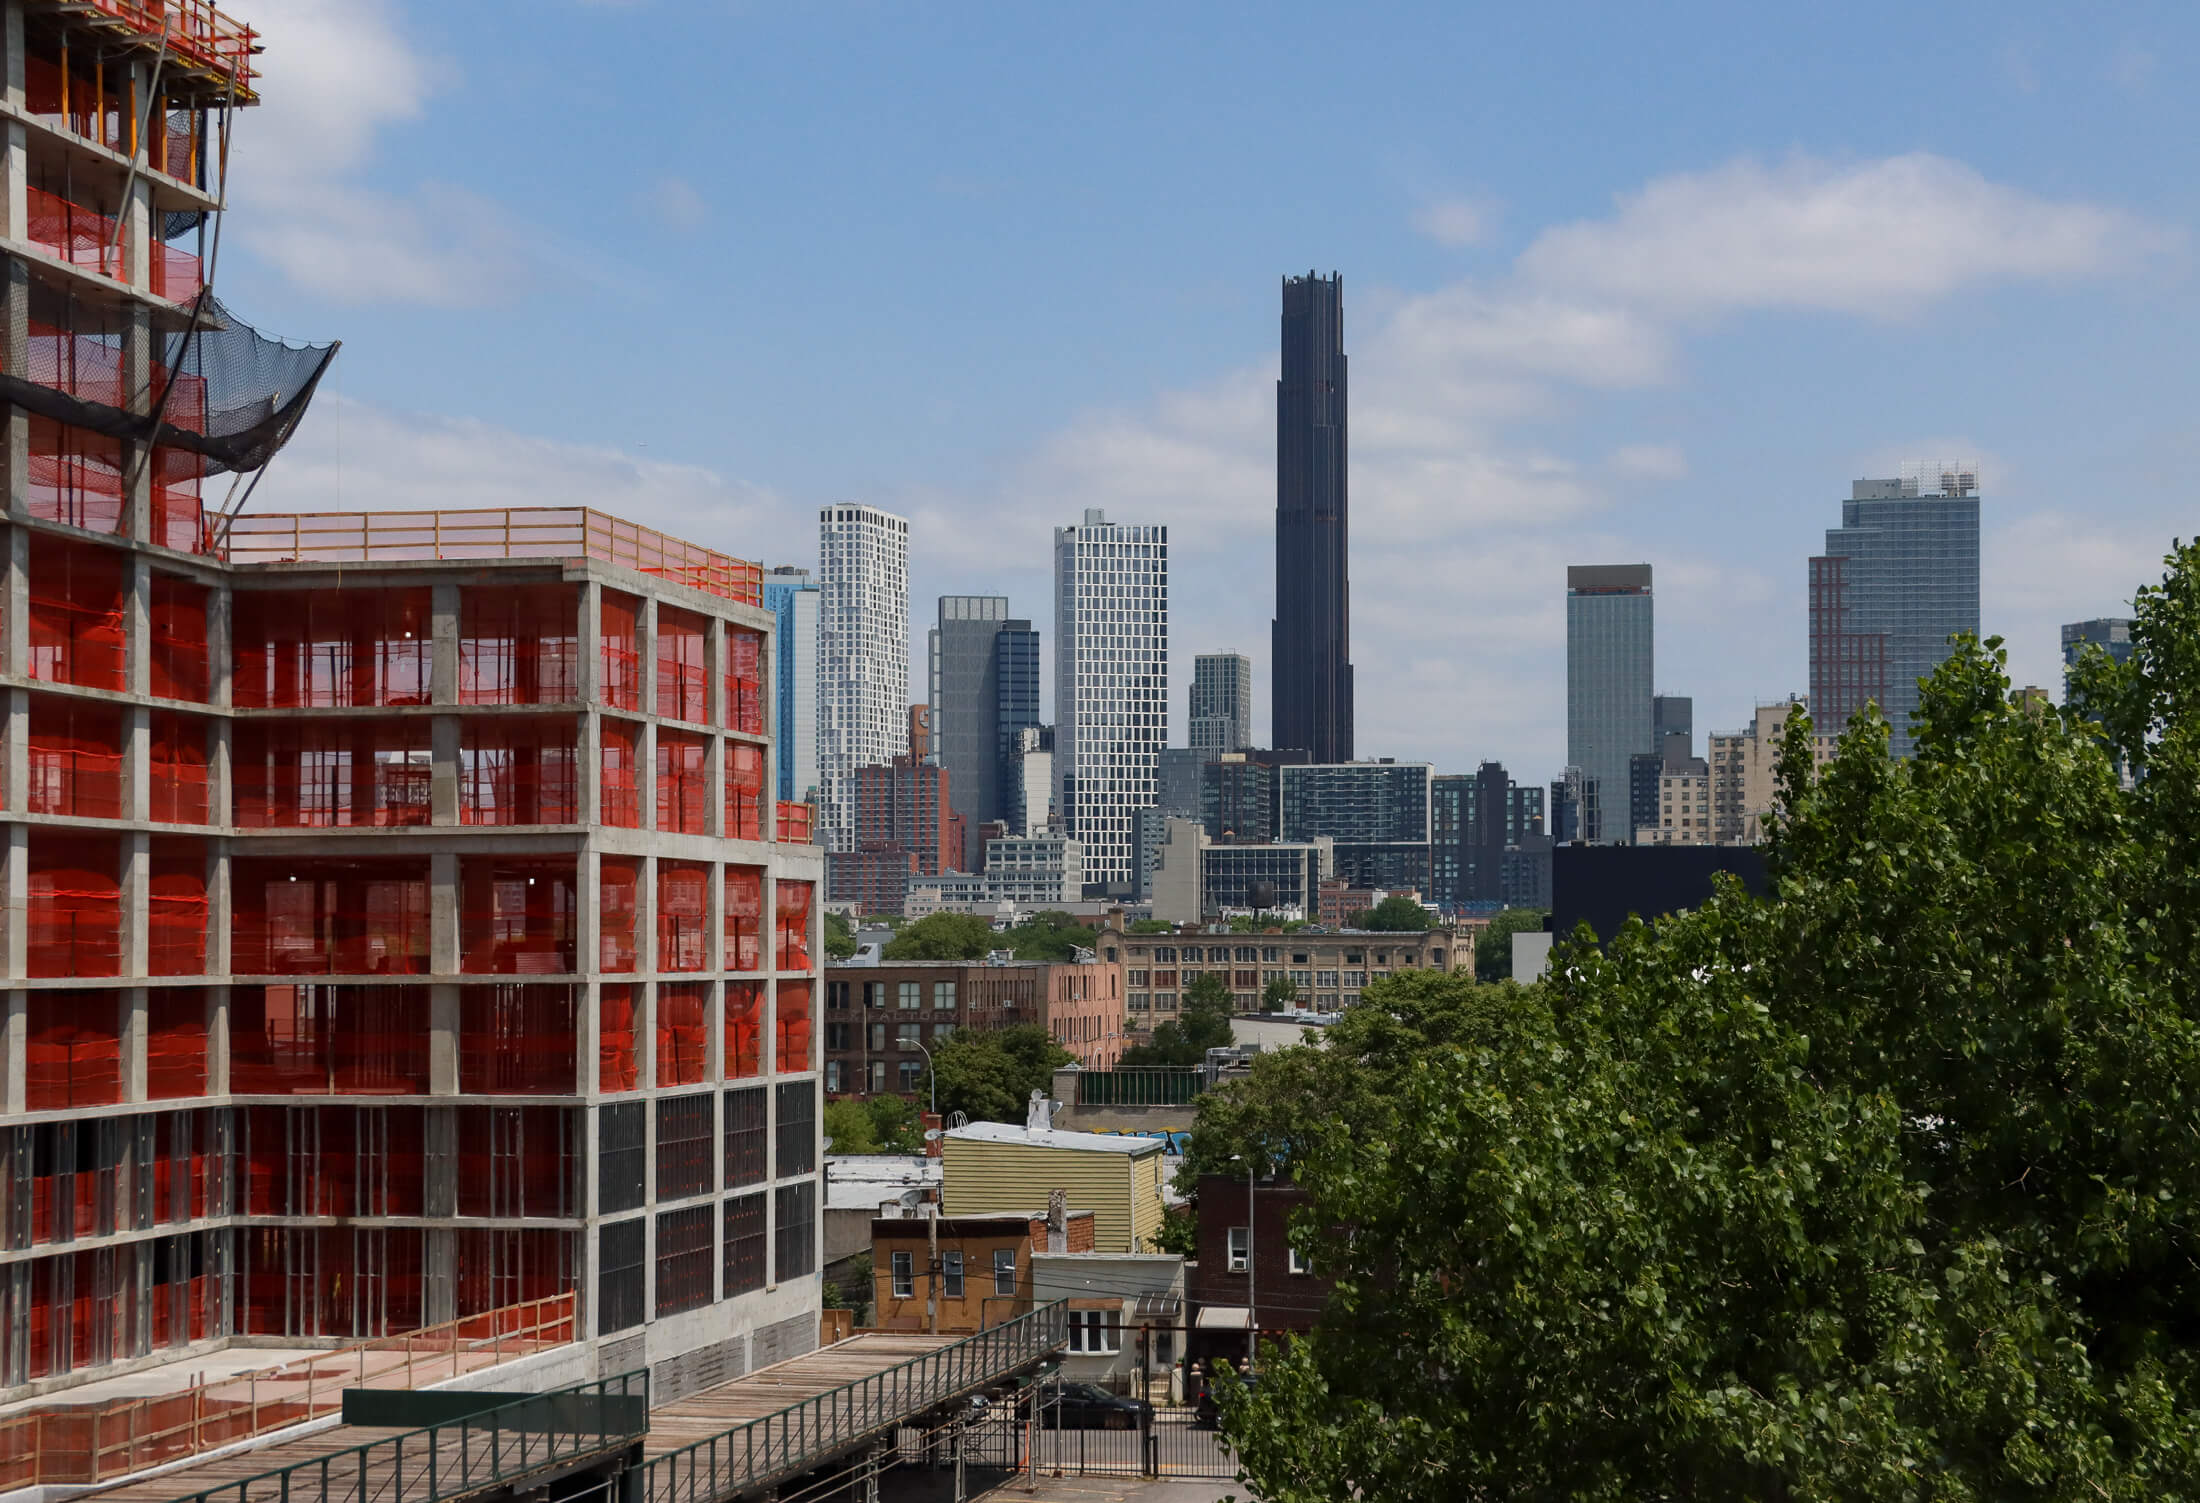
x=1044, y=1433
x=803, y=1435
x=503, y=1444
x=1141, y=1085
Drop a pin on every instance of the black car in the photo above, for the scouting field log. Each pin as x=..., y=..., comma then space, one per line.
x=1083, y=1406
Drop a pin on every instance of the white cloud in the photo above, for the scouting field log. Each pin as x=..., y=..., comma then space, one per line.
x=1876, y=238
x=675, y=203
x=1456, y=222
x=2131, y=68
x=1650, y=461
x=2043, y=568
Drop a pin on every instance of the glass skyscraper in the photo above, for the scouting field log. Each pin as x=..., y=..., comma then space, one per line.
x=984, y=683
x=1310, y=644
x=1610, y=717
x=1222, y=704
x=1899, y=577
x=792, y=595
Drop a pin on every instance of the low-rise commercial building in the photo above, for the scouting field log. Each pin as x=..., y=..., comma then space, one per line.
x=881, y=1019
x=994, y=1167
x=1328, y=967
x=964, y=1273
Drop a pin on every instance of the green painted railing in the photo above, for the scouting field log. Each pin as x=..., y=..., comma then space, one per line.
x=1141, y=1085
x=528, y=1434
x=802, y=1435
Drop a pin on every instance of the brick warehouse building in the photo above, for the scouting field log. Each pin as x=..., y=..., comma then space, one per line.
x=397, y=925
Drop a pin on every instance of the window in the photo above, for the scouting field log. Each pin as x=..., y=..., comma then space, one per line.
x=878, y=1076
x=878, y=1038
x=1093, y=1330
x=794, y=1210
x=836, y=996
x=797, y=1128
x=683, y=1151
x=745, y=1137
x=907, y=1071
x=909, y=995
x=943, y=995
x=905, y=1275
x=744, y=1268
x=874, y=994
x=619, y=1283
x=1326, y=979
x=951, y=1264
x=907, y=1036
x=941, y=1033
x=621, y=1159
x=683, y=1259
x=1271, y=955
x=1004, y=1270
x=1241, y=1248
x=832, y=1076
x=1299, y=1264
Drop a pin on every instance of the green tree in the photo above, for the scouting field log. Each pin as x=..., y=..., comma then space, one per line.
x=897, y=1124
x=1202, y=1023
x=1885, y=1186
x=1493, y=947
x=1050, y=935
x=1179, y=1231
x=942, y=936
x=1150, y=926
x=840, y=936
x=848, y=1128
x=990, y=1074
x=1396, y=914
x=1279, y=993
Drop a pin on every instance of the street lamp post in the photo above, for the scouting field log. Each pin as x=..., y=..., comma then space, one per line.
x=931, y=1073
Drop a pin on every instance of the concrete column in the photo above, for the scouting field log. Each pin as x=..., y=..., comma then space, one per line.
x=439, y=1189
x=136, y=1041
x=588, y=675
x=443, y=776
x=140, y=379
x=587, y=1039
x=218, y=909
x=220, y=605
x=14, y=1080
x=714, y=697
x=15, y=278
x=443, y=611
x=587, y=924
x=645, y=1039
x=443, y=913
x=217, y=1041
x=443, y=1035
x=645, y=651
x=136, y=875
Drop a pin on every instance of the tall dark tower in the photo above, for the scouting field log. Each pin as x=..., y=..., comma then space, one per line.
x=1310, y=662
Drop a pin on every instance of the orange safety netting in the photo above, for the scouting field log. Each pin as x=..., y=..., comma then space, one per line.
x=615, y=1039
x=78, y=477
x=518, y=771
x=76, y=631
x=516, y=1161
x=683, y=783
x=744, y=1029
x=323, y=649
x=744, y=680
x=86, y=238
x=175, y=917
x=308, y=1040
x=518, y=644
x=333, y=1160
x=744, y=918
x=323, y=915
x=744, y=791
x=73, y=1053
x=620, y=795
x=175, y=1049
x=176, y=750
x=618, y=625
x=516, y=1039
x=75, y=763
x=791, y=1015
x=329, y=1281
x=496, y=1268
x=74, y=908
x=518, y=915
x=618, y=901
x=331, y=774
x=93, y=97
x=79, y=357
x=176, y=646
x=683, y=916
x=794, y=925
x=683, y=1032
x=682, y=682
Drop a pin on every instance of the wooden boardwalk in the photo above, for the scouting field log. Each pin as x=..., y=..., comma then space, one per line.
x=771, y=1389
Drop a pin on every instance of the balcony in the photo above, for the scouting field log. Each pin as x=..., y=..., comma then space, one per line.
x=88, y=240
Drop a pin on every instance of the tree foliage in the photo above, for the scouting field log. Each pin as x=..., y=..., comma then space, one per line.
x=840, y=936
x=990, y=1074
x=1493, y=947
x=943, y=936
x=1396, y=914
x=1048, y=935
x=1201, y=1023
x=1886, y=1186
x=1149, y=926
x=1280, y=992
x=884, y=1124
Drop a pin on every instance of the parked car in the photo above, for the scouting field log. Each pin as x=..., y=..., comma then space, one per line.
x=1206, y=1410
x=1083, y=1406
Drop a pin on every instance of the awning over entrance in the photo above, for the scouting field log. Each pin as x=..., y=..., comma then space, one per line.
x=1224, y=1317
x=1163, y=1305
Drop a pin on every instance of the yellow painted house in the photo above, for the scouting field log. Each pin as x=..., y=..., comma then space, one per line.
x=993, y=1166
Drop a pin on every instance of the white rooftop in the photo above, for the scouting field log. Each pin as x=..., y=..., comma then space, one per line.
x=866, y=1181
x=1056, y=1137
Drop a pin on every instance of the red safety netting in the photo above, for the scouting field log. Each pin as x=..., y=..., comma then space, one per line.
x=518, y=915
x=325, y=648
x=74, y=908
x=683, y=1032
x=175, y=909
x=307, y=1040
x=745, y=680
x=331, y=774
x=497, y=1268
x=176, y=648
x=175, y=1049
x=682, y=681
x=516, y=1161
x=744, y=791
x=683, y=916
x=618, y=624
x=179, y=508
x=75, y=476
x=797, y=823
x=744, y=1029
x=620, y=792
x=91, y=93
x=329, y=1282
x=324, y=915
x=744, y=918
x=333, y=1160
x=518, y=644
x=76, y=634
x=519, y=771
x=73, y=1052
x=683, y=783
x=618, y=902
x=176, y=787
x=791, y=1016
x=794, y=925
x=615, y=1039
x=75, y=764
x=516, y=1039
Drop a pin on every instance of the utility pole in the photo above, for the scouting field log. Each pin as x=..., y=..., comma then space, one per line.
x=1252, y=1272
x=932, y=1266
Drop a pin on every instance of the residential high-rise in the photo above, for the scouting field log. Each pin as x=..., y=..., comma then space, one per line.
x=1672, y=726
x=2112, y=634
x=1377, y=813
x=1745, y=772
x=1111, y=685
x=1222, y=704
x=967, y=696
x=1609, y=711
x=1478, y=820
x=1310, y=648
x=1899, y=577
x=862, y=655
x=1027, y=784
x=1016, y=710
x=792, y=596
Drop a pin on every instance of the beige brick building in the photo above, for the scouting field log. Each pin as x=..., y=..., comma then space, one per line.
x=1744, y=782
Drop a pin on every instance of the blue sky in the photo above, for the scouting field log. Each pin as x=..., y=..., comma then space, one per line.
x=1622, y=282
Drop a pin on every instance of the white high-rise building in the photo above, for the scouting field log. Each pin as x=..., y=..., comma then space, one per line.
x=1111, y=685
x=862, y=655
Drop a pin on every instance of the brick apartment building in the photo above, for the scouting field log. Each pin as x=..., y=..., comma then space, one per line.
x=1329, y=966
x=880, y=1019
x=1246, y=1273
x=399, y=926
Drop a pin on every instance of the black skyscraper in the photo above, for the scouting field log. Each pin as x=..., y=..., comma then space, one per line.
x=1310, y=661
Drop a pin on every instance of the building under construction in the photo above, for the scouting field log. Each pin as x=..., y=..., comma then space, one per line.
x=398, y=922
